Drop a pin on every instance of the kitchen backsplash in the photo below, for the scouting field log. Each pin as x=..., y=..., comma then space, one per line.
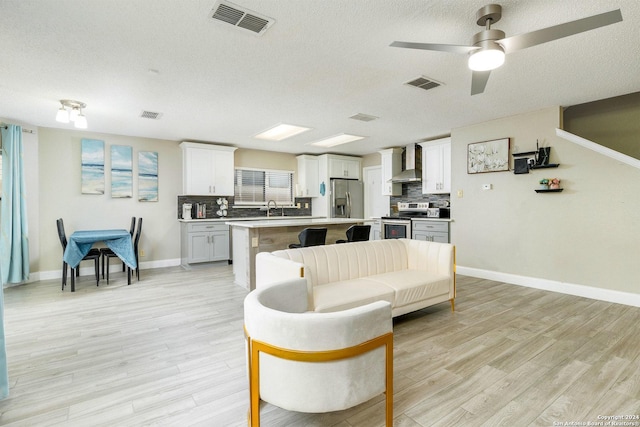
x=412, y=192
x=212, y=207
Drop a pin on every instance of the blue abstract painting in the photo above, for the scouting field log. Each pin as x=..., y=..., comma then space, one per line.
x=121, y=171
x=147, y=176
x=92, y=166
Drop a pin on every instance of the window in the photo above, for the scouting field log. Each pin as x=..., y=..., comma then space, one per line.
x=257, y=187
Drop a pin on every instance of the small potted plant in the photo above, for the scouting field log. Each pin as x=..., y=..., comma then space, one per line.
x=554, y=183
x=544, y=184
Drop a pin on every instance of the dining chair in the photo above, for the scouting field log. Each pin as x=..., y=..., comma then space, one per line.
x=135, y=247
x=310, y=237
x=107, y=254
x=357, y=233
x=94, y=254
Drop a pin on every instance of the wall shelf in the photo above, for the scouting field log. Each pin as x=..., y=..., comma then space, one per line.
x=526, y=153
x=549, y=190
x=550, y=165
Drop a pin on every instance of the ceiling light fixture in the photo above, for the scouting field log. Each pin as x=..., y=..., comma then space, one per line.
x=332, y=141
x=74, y=113
x=281, y=131
x=486, y=59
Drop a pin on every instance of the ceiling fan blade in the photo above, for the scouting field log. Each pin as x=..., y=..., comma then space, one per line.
x=479, y=81
x=522, y=41
x=453, y=48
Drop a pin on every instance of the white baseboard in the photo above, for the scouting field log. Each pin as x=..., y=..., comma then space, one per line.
x=591, y=292
x=88, y=270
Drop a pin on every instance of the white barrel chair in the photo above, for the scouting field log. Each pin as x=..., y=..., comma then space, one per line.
x=315, y=362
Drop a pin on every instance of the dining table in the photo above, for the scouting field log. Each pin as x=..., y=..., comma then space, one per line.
x=81, y=241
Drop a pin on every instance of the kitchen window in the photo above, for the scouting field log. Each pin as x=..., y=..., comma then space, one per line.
x=258, y=186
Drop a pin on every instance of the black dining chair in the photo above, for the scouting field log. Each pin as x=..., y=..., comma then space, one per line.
x=310, y=237
x=357, y=233
x=107, y=254
x=135, y=247
x=94, y=254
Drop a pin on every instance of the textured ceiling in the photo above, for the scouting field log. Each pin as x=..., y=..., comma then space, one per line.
x=320, y=63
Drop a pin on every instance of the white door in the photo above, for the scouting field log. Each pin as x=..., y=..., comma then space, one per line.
x=375, y=204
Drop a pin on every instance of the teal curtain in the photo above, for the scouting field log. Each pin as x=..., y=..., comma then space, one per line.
x=14, y=241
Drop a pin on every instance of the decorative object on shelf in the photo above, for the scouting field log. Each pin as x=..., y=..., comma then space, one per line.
x=538, y=159
x=549, y=185
x=488, y=156
x=92, y=166
x=223, y=206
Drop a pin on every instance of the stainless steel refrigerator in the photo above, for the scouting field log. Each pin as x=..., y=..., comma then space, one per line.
x=347, y=198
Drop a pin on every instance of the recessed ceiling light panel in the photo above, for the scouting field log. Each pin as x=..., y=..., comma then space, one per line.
x=281, y=131
x=342, y=138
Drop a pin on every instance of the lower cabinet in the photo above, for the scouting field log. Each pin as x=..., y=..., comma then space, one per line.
x=375, y=224
x=431, y=231
x=204, y=242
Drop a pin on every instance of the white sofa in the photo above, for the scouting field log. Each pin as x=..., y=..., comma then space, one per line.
x=409, y=274
x=315, y=362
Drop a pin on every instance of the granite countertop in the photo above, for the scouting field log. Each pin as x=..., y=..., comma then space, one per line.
x=433, y=219
x=293, y=221
x=255, y=218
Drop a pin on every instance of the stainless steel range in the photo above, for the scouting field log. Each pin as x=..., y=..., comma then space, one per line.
x=399, y=226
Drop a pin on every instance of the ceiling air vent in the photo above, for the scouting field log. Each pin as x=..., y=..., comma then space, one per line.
x=424, y=83
x=240, y=17
x=151, y=115
x=364, y=117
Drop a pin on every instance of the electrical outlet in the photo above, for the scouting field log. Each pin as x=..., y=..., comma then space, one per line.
x=306, y=205
x=254, y=242
x=298, y=205
x=460, y=194
x=487, y=186
x=141, y=252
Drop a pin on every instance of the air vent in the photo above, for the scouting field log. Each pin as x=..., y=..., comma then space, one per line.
x=364, y=117
x=151, y=115
x=240, y=17
x=424, y=83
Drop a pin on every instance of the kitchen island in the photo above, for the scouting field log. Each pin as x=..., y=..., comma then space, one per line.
x=250, y=237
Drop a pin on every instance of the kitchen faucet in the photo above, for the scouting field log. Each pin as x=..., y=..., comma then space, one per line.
x=275, y=205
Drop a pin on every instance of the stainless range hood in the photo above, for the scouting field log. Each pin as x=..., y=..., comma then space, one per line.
x=413, y=169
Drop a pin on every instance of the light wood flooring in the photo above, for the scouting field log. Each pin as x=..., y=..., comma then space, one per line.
x=169, y=351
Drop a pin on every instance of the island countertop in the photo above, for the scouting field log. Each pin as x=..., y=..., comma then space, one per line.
x=309, y=222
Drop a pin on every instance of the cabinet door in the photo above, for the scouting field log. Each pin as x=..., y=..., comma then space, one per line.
x=308, y=178
x=391, y=162
x=198, y=171
x=219, y=245
x=446, y=168
x=436, y=167
x=352, y=169
x=199, y=247
x=222, y=182
x=336, y=168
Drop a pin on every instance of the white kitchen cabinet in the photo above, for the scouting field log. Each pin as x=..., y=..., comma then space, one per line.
x=204, y=241
x=376, y=230
x=391, y=166
x=436, y=166
x=308, y=176
x=344, y=167
x=207, y=169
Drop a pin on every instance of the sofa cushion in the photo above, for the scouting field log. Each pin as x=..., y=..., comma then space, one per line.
x=337, y=296
x=411, y=286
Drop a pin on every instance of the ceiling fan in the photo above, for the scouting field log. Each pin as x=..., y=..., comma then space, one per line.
x=490, y=46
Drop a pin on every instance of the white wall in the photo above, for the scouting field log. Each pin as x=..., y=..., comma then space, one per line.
x=60, y=197
x=585, y=237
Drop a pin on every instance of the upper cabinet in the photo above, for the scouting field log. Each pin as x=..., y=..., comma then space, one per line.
x=207, y=169
x=344, y=166
x=308, y=176
x=391, y=166
x=436, y=166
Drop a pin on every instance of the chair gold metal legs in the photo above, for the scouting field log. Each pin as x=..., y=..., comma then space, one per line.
x=254, y=348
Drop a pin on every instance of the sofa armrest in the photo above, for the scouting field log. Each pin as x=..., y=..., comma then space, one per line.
x=271, y=269
x=431, y=256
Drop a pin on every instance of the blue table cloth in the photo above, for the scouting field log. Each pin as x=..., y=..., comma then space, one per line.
x=80, y=242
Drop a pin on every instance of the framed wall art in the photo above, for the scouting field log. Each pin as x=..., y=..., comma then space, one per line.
x=121, y=171
x=92, y=166
x=147, y=176
x=488, y=156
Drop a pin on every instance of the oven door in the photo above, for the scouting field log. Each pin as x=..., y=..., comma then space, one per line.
x=396, y=229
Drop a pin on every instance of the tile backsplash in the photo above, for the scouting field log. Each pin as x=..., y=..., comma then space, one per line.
x=212, y=207
x=412, y=192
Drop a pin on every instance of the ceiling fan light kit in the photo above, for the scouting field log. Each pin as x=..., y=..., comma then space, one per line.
x=490, y=46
